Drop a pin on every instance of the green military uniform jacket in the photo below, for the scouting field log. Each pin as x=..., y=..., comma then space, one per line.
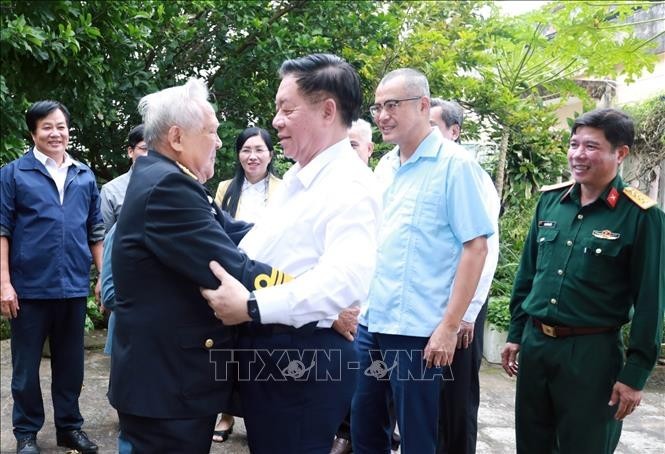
x=590, y=266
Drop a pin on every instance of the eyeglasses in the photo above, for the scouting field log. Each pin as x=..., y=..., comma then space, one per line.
x=142, y=147
x=390, y=106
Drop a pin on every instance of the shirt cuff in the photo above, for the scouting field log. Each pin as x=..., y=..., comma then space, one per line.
x=4, y=231
x=633, y=376
x=272, y=307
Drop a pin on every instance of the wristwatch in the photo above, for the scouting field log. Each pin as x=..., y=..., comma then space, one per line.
x=253, y=308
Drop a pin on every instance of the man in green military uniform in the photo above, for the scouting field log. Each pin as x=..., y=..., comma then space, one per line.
x=594, y=252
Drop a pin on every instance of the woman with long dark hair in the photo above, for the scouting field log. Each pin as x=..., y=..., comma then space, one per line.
x=246, y=195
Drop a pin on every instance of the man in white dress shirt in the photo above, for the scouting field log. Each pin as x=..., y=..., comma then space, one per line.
x=295, y=377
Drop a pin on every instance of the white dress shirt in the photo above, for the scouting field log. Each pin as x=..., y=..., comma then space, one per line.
x=320, y=227
x=59, y=174
x=254, y=199
x=493, y=206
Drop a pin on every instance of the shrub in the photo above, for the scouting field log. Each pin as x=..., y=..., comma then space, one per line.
x=498, y=312
x=4, y=329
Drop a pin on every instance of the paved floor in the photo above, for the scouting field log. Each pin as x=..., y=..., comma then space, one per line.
x=643, y=433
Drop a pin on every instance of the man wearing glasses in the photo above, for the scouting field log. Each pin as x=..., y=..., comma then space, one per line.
x=113, y=192
x=432, y=247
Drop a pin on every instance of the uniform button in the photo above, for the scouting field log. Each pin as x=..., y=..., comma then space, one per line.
x=209, y=343
x=559, y=272
x=569, y=243
x=553, y=301
x=542, y=238
x=599, y=250
x=580, y=216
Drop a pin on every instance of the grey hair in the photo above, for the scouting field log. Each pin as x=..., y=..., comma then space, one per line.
x=451, y=112
x=415, y=81
x=181, y=105
x=363, y=128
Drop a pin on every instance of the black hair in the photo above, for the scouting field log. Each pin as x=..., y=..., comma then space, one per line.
x=617, y=126
x=135, y=136
x=233, y=192
x=41, y=109
x=329, y=74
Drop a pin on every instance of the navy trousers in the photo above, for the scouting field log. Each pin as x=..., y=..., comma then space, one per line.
x=166, y=436
x=62, y=321
x=393, y=364
x=295, y=387
x=460, y=397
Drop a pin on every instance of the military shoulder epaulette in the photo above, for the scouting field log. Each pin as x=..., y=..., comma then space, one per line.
x=552, y=187
x=641, y=200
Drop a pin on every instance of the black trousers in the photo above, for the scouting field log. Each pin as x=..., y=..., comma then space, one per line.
x=295, y=387
x=460, y=397
x=167, y=436
x=62, y=321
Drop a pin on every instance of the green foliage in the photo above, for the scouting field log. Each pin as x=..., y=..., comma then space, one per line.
x=649, y=146
x=93, y=318
x=5, y=330
x=513, y=227
x=498, y=312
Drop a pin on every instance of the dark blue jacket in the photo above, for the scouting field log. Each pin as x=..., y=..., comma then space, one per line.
x=49, y=242
x=171, y=356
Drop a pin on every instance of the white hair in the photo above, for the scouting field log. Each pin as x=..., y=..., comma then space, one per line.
x=363, y=128
x=181, y=105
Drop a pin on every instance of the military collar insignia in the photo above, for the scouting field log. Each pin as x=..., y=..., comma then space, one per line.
x=186, y=171
x=641, y=200
x=612, y=197
x=605, y=234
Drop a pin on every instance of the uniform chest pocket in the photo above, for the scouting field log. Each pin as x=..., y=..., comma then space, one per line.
x=603, y=260
x=546, y=240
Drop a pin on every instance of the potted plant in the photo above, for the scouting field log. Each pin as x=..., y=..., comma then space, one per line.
x=496, y=328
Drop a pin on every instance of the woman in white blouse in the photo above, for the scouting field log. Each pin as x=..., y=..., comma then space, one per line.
x=245, y=196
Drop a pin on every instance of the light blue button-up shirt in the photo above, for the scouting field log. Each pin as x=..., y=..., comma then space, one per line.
x=433, y=203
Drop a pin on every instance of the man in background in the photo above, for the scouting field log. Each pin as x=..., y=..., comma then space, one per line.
x=360, y=135
x=51, y=230
x=460, y=397
x=113, y=192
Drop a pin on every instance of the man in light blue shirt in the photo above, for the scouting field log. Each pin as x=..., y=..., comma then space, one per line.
x=432, y=247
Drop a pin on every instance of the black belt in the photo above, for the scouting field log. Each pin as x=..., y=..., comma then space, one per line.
x=567, y=331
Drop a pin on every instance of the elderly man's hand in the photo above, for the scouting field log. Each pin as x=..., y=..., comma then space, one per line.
x=8, y=300
x=229, y=300
x=347, y=322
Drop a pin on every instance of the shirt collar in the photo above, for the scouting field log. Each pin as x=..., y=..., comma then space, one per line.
x=41, y=157
x=258, y=185
x=609, y=196
x=429, y=147
x=306, y=175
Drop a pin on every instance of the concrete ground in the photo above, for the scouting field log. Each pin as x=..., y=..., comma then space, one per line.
x=643, y=432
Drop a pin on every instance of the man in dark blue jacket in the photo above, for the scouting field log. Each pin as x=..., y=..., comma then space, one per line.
x=50, y=231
